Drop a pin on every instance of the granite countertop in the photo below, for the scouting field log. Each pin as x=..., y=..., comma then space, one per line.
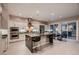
x=37, y=34
x=33, y=34
x=46, y=33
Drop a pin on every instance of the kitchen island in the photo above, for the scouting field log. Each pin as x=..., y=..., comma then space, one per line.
x=45, y=38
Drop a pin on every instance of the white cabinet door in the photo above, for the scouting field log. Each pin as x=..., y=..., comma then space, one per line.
x=0, y=21
x=3, y=44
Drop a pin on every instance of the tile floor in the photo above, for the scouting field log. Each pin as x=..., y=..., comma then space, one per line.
x=17, y=48
x=59, y=48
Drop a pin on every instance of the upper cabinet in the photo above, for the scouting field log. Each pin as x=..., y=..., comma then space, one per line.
x=0, y=9
x=4, y=17
x=0, y=14
x=0, y=21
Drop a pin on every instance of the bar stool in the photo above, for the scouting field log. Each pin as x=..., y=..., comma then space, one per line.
x=36, y=39
x=51, y=38
x=27, y=38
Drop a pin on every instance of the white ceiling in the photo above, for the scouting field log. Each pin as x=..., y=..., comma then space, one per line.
x=43, y=11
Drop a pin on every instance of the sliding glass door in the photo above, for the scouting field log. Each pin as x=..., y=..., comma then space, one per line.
x=64, y=30
x=68, y=30
x=53, y=28
x=72, y=30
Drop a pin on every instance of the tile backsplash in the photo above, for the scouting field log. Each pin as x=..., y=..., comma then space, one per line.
x=4, y=31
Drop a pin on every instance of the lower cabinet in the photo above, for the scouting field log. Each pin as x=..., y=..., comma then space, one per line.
x=3, y=43
x=0, y=43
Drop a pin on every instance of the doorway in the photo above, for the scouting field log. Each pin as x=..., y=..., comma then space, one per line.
x=72, y=30
x=68, y=30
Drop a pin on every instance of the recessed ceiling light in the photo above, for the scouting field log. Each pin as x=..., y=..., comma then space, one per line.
x=37, y=11
x=52, y=14
x=20, y=14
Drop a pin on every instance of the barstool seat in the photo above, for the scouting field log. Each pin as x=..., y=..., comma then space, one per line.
x=50, y=38
x=36, y=39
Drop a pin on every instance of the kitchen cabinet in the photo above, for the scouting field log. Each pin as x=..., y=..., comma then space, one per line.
x=4, y=17
x=0, y=20
x=0, y=43
x=3, y=40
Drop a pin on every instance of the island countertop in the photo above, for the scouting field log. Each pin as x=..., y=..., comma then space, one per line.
x=37, y=34
x=33, y=34
x=29, y=39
